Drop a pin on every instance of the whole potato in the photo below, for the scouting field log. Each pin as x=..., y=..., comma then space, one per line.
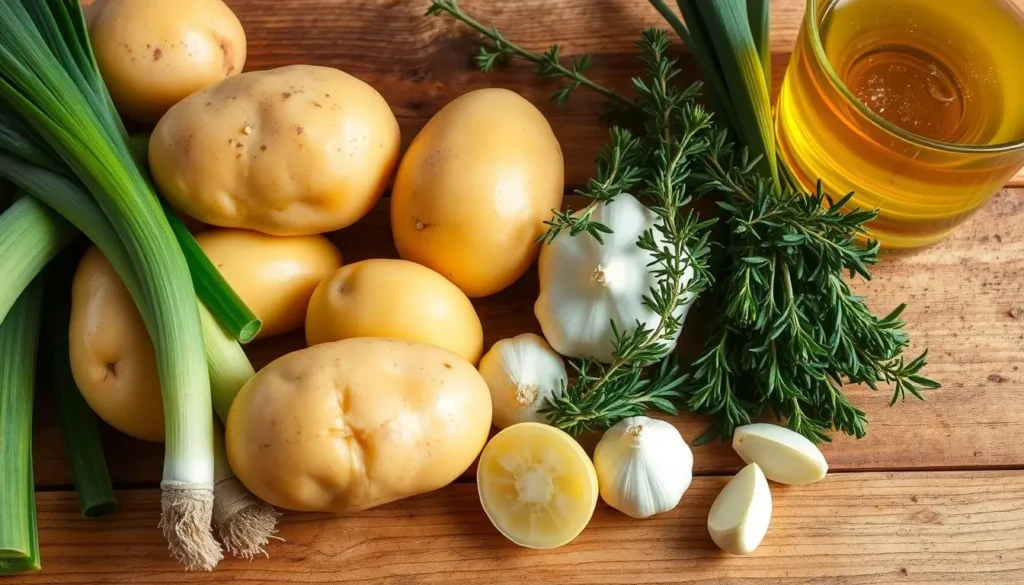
x=276, y=275
x=353, y=424
x=474, y=189
x=396, y=299
x=292, y=151
x=112, y=357
x=153, y=54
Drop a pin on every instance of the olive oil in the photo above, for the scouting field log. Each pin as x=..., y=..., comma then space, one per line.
x=915, y=105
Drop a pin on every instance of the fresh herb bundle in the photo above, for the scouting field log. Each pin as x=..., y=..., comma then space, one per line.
x=788, y=333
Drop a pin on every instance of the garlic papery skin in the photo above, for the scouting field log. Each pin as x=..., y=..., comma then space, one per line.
x=643, y=466
x=784, y=455
x=740, y=516
x=522, y=372
x=585, y=285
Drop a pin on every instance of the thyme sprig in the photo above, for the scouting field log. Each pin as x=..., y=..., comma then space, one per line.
x=788, y=331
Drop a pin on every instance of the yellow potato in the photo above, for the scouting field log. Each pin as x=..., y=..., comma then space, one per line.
x=112, y=357
x=352, y=424
x=474, y=189
x=396, y=299
x=292, y=151
x=277, y=274
x=153, y=54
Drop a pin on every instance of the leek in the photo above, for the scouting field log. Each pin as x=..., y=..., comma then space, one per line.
x=19, y=334
x=245, y=523
x=78, y=424
x=30, y=236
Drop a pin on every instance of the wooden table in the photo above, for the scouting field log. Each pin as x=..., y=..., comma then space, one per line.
x=935, y=493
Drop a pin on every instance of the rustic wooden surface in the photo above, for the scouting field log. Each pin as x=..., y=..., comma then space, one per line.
x=946, y=503
x=857, y=528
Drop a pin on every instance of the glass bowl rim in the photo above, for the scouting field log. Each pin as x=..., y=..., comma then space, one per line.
x=814, y=32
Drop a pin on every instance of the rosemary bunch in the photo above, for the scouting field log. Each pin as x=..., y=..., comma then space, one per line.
x=656, y=165
x=788, y=333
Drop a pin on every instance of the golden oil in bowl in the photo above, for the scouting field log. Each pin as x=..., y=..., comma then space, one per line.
x=917, y=106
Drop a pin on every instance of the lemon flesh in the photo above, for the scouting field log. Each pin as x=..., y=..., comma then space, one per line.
x=537, y=485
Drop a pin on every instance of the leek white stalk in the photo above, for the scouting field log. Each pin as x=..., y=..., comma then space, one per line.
x=245, y=523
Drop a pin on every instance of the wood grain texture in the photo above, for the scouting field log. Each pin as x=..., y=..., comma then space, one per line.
x=962, y=293
x=851, y=529
x=419, y=64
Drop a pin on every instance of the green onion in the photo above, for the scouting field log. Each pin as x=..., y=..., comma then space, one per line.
x=51, y=80
x=30, y=236
x=78, y=424
x=19, y=335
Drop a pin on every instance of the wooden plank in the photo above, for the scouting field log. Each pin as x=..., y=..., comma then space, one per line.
x=963, y=294
x=419, y=63
x=853, y=529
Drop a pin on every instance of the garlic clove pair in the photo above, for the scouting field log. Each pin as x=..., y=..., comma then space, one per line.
x=643, y=466
x=784, y=455
x=522, y=373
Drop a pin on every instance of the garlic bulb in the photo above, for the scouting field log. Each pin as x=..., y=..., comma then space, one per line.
x=740, y=516
x=585, y=285
x=522, y=372
x=785, y=456
x=643, y=466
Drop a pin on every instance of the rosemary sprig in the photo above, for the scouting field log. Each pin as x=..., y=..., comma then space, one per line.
x=788, y=332
x=549, y=63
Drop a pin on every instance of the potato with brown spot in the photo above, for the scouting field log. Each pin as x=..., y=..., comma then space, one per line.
x=153, y=54
x=353, y=424
x=306, y=166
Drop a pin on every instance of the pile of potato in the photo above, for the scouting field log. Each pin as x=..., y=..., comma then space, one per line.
x=386, y=402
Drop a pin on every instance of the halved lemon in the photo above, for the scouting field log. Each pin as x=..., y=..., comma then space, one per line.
x=537, y=485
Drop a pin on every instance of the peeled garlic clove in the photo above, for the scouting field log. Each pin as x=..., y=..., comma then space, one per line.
x=643, y=466
x=740, y=516
x=785, y=456
x=522, y=372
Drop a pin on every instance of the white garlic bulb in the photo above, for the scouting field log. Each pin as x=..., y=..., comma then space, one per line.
x=522, y=372
x=643, y=466
x=585, y=285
